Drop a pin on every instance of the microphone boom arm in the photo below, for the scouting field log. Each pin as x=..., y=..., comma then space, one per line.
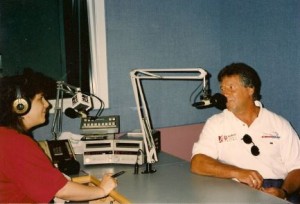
x=137, y=75
x=61, y=88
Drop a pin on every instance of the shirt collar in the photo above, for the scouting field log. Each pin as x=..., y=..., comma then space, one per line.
x=258, y=103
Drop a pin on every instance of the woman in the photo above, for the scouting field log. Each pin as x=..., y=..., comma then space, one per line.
x=26, y=173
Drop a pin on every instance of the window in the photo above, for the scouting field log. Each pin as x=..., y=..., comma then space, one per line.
x=85, y=42
x=98, y=77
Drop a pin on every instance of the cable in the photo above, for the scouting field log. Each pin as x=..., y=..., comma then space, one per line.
x=102, y=105
x=194, y=98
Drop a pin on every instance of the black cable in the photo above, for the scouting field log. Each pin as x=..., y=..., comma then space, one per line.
x=101, y=108
x=102, y=105
x=194, y=98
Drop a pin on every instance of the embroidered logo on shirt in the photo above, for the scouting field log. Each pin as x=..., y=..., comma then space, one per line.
x=273, y=135
x=227, y=138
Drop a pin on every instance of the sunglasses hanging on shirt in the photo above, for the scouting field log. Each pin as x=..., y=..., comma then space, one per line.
x=248, y=140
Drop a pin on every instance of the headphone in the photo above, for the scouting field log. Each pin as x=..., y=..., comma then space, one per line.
x=21, y=106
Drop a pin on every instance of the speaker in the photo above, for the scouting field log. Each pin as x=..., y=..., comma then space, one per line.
x=21, y=106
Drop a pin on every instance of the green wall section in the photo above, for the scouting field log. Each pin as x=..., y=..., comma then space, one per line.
x=31, y=36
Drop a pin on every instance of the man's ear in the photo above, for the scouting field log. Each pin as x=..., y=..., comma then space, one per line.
x=250, y=91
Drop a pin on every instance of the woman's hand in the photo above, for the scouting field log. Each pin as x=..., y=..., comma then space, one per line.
x=108, y=184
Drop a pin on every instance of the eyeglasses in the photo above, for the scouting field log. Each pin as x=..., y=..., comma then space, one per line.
x=248, y=140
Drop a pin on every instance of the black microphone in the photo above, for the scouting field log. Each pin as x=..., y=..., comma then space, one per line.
x=72, y=113
x=217, y=100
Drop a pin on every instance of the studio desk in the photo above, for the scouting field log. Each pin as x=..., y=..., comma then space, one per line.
x=174, y=183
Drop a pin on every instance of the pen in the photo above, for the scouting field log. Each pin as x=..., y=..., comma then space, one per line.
x=118, y=174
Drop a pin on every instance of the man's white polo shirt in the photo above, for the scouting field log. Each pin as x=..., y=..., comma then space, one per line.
x=278, y=143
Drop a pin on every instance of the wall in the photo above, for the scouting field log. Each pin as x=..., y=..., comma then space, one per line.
x=157, y=34
x=160, y=34
x=179, y=140
x=30, y=36
x=198, y=33
x=209, y=34
x=265, y=34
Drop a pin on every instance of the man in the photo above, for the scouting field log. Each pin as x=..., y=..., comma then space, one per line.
x=248, y=142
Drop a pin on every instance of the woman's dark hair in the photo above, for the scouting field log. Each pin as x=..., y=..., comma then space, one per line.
x=248, y=76
x=29, y=83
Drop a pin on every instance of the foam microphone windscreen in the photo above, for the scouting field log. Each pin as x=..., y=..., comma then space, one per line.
x=219, y=101
x=71, y=113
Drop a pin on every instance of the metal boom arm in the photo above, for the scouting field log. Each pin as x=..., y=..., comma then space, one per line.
x=61, y=88
x=157, y=74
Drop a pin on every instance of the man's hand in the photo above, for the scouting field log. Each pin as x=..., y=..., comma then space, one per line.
x=250, y=177
x=278, y=192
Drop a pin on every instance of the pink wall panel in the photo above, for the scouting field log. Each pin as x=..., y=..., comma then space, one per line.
x=179, y=140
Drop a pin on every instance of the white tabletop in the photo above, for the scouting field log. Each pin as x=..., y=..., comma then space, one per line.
x=174, y=183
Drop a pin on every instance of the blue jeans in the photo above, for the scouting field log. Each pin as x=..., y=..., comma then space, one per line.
x=277, y=183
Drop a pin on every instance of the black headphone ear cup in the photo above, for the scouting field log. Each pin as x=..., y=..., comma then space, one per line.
x=21, y=106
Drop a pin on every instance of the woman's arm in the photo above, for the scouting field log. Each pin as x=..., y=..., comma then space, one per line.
x=79, y=192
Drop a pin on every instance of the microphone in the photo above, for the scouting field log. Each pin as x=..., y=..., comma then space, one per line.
x=203, y=104
x=217, y=100
x=81, y=102
x=72, y=113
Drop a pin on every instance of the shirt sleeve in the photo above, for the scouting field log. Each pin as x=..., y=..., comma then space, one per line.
x=32, y=171
x=290, y=147
x=207, y=141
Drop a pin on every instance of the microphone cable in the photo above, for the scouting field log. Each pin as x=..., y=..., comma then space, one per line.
x=102, y=106
x=193, y=98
